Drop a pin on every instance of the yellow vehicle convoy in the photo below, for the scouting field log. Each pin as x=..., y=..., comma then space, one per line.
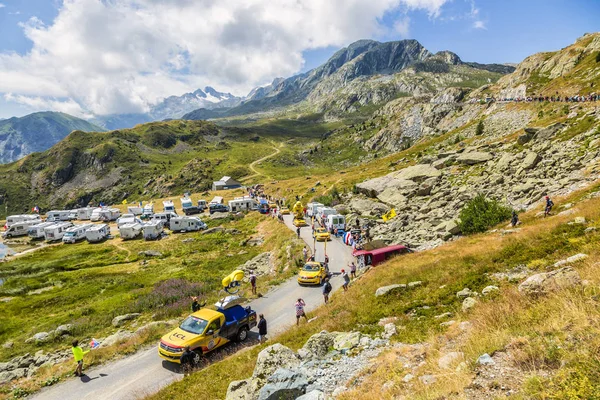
x=206, y=329
x=322, y=234
x=299, y=214
x=285, y=211
x=313, y=273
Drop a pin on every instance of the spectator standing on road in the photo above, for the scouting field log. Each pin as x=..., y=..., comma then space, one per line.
x=346, y=279
x=298, y=232
x=326, y=290
x=187, y=360
x=253, y=282
x=352, y=270
x=262, y=328
x=78, y=354
x=300, y=304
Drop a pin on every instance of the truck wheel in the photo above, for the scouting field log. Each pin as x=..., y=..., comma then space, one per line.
x=197, y=357
x=242, y=334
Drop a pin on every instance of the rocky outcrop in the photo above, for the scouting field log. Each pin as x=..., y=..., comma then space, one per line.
x=547, y=282
x=122, y=319
x=259, y=265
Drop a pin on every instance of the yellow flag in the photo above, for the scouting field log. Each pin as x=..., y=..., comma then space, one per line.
x=124, y=201
x=389, y=215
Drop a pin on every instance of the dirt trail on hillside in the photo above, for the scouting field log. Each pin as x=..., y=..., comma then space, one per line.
x=252, y=165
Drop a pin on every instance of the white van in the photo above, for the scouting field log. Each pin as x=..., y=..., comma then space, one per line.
x=202, y=205
x=76, y=233
x=245, y=203
x=168, y=206
x=97, y=233
x=14, y=219
x=37, y=231
x=148, y=210
x=164, y=217
x=56, y=231
x=96, y=214
x=59, y=215
x=336, y=221
x=186, y=224
x=152, y=230
x=324, y=213
x=135, y=210
x=105, y=214
x=311, y=208
x=127, y=219
x=84, y=213
x=130, y=230
x=20, y=228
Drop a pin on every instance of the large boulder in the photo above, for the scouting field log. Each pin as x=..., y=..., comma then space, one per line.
x=474, y=157
x=417, y=173
x=64, y=329
x=346, y=340
x=531, y=160
x=373, y=187
x=384, y=290
x=245, y=389
x=393, y=197
x=260, y=265
x=284, y=384
x=313, y=395
x=39, y=337
x=547, y=282
x=121, y=319
x=367, y=207
x=274, y=357
x=317, y=346
x=120, y=336
x=220, y=215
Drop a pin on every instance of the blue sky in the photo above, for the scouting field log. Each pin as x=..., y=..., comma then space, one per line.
x=95, y=57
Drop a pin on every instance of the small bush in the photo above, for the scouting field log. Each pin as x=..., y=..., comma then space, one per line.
x=598, y=57
x=480, y=214
x=479, y=129
x=169, y=298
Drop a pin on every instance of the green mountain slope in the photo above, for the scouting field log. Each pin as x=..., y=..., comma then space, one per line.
x=37, y=132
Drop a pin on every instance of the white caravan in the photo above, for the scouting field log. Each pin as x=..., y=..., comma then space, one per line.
x=245, y=203
x=335, y=221
x=168, y=206
x=97, y=233
x=37, y=231
x=216, y=200
x=152, y=230
x=186, y=202
x=127, y=219
x=202, y=204
x=311, y=208
x=84, y=213
x=186, y=224
x=20, y=228
x=105, y=214
x=148, y=210
x=56, y=231
x=130, y=230
x=76, y=233
x=59, y=215
x=324, y=213
x=13, y=219
x=135, y=210
x=164, y=217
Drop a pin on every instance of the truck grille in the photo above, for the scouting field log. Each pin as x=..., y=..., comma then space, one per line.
x=170, y=349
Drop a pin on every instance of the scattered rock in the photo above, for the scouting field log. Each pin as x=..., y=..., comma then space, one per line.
x=447, y=323
x=531, y=160
x=489, y=290
x=39, y=337
x=468, y=303
x=466, y=292
x=274, y=357
x=448, y=361
x=389, y=330
x=414, y=284
x=150, y=253
x=485, y=359
x=407, y=378
x=317, y=346
x=428, y=379
x=579, y=220
x=8, y=345
x=346, y=340
x=64, y=329
x=120, y=336
x=260, y=265
x=547, y=282
x=216, y=229
x=417, y=173
x=312, y=395
x=188, y=240
x=384, y=290
x=474, y=157
x=219, y=215
x=121, y=319
x=284, y=384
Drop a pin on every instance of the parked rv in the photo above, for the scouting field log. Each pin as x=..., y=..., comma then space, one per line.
x=188, y=206
x=105, y=214
x=148, y=211
x=164, y=217
x=216, y=200
x=168, y=206
x=135, y=210
x=76, y=233
x=335, y=221
x=186, y=224
x=245, y=203
x=127, y=219
x=97, y=233
x=20, y=228
x=84, y=213
x=56, y=231
x=202, y=205
x=152, y=230
x=37, y=231
x=130, y=230
x=14, y=219
x=60, y=215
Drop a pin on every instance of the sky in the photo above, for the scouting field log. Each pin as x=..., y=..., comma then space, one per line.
x=100, y=57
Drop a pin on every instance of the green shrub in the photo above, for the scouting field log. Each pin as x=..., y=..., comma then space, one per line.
x=479, y=129
x=480, y=213
x=598, y=57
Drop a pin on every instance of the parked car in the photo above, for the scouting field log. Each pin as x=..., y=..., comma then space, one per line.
x=213, y=208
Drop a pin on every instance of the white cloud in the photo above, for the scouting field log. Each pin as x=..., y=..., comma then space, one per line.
x=122, y=56
x=43, y=103
x=2, y=5
x=402, y=26
x=479, y=25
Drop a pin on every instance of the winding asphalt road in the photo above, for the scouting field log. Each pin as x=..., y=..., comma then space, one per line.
x=145, y=372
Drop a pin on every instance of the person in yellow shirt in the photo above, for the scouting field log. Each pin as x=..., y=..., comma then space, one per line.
x=78, y=353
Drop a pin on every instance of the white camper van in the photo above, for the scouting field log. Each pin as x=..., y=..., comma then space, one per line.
x=148, y=210
x=152, y=230
x=324, y=213
x=37, y=231
x=127, y=219
x=14, y=219
x=135, y=210
x=164, y=217
x=76, y=233
x=56, y=231
x=311, y=208
x=202, y=205
x=84, y=213
x=130, y=230
x=20, y=228
x=105, y=214
x=97, y=233
x=186, y=224
x=216, y=200
x=168, y=206
x=336, y=221
x=245, y=203
x=59, y=215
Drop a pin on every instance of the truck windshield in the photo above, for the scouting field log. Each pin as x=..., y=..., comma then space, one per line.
x=194, y=325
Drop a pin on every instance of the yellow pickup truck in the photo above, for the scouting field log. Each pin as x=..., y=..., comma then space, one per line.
x=206, y=329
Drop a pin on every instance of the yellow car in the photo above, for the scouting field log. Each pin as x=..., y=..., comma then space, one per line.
x=321, y=234
x=299, y=222
x=313, y=273
x=272, y=205
x=285, y=211
x=206, y=329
